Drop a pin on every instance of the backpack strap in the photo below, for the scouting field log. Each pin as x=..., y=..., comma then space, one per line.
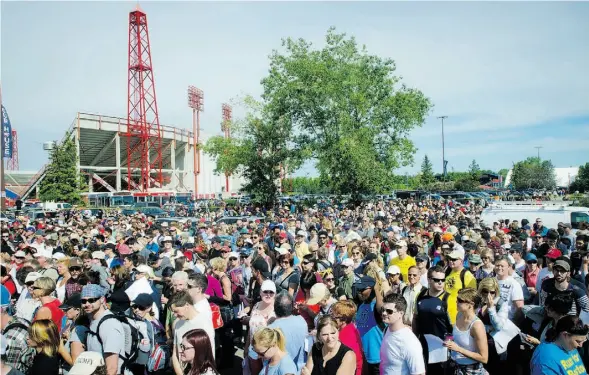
x=97, y=333
x=404, y=289
x=462, y=273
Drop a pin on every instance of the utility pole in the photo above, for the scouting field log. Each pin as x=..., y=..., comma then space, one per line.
x=443, y=149
x=2, y=186
x=538, y=148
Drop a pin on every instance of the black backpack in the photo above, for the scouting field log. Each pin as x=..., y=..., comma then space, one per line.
x=132, y=338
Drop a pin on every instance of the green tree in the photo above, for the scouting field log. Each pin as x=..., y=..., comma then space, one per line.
x=348, y=108
x=533, y=173
x=474, y=170
x=581, y=182
x=62, y=182
x=426, y=177
x=259, y=147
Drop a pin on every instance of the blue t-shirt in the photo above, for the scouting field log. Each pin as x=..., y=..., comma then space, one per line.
x=285, y=366
x=295, y=331
x=370, y=332
x=550, y=359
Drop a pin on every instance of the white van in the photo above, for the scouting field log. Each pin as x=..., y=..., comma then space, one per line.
x=55, y=206
x=551, y=214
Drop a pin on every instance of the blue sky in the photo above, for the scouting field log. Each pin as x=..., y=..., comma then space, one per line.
x=510, y=76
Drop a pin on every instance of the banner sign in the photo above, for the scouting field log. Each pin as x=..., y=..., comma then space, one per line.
x=6, y=135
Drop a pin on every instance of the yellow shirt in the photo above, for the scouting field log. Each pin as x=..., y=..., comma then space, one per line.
x=301, y=249
x=452, y=285
x=403, y=265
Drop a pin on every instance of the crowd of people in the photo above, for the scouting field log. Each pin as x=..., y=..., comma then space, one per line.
x=397, y=287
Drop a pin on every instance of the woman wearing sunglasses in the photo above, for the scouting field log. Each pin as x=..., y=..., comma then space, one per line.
x=468, y=345
x=270, y=346
x=494, y=315
x=262, y=314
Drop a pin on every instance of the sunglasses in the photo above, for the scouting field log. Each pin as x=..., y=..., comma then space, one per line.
x=74, y=269
x=412, y=275
x=268, y=292
x=89, y=300
x=233, y=258
x=30, y=283
x=306, y=263
x=142, y=308
x=19, y=257
x=437, y=280
x=460, y=300
x=329, y=279
x=388, y=311
x=492, y=292
x=261, y=354
x=532, y=262
x=356, y=253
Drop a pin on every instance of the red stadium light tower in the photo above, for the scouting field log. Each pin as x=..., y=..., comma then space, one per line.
x=196, y=100
x=226, y=128
x=12, y=164
x=144, y=138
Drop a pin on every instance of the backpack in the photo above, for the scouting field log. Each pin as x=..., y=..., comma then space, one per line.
x=462, y=273
x=237, y=288
x=132, y=337
x=159, y=356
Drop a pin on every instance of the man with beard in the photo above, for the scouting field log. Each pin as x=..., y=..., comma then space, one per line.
x=561, y=284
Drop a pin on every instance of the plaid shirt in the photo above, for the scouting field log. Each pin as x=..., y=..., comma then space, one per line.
x=17, y=353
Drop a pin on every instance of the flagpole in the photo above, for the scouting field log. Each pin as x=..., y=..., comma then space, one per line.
x=2, y=185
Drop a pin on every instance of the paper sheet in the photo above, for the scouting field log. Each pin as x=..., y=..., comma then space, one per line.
x=437, y=351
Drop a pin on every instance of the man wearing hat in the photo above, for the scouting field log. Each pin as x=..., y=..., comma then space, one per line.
x=459, y=278
x=561, y=283
x=368, y=326
x=106, y=333
x=15, y=331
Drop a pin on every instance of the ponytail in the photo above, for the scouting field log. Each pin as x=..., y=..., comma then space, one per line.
x=280, y=339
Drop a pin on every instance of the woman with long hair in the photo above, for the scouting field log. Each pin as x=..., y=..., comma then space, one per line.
x=197, y=353
x=469, y=348
x=287, y=277
x=494, y=315
x=343, y=313
x=43, y=289
x=270, y=345
x=329, y=356
x=62, y=266
x=119, y=281
x=219, y=268
x=44, y=337
x=559, y=354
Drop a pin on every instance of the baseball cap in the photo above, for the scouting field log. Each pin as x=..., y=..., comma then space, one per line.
x=364, y=282
x=233, y=254
x=455, y=254
x=553, y=253
x=268, y=286
x=348, y=262
x=421, y=257
x=20, y=254
x=394, y=270
x=318, y=293
x=143, y=300
x=92, y=291
x=563, y=264
x=98, y=255
x=32, y=276
x=74, y=301
x=401, y=244
x=86, y=363
x=475, y=259
x=530, y=257
x=143, y=268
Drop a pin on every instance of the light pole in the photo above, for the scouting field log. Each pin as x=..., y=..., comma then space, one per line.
x=196, y=102
x=443, y=149
x=538, y=148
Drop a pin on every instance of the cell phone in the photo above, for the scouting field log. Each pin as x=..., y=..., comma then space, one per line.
x=448, y=337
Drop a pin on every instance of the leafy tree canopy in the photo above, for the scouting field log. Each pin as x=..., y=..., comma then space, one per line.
x=347, y=108
x=581, y=182
x=533, y=173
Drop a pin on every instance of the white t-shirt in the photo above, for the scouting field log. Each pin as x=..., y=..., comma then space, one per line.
x=401, y=353
x=198, y=322
x=544, y=274
x=204, y=308
x=510, y=290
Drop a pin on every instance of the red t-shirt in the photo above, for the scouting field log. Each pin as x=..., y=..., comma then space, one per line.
x=350, y=337
x=10, y=285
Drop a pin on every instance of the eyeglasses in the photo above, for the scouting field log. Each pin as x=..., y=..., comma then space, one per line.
x=142, y=308
x=268, y=292
x=412, y=275
x=356, y=253
x=260, y=247
x=411, y=236
x=388, y=311
x=261, y=354
x=89, y=300
x=492, y=292
x=437, y=280
x=232, y=258
x=185, y=348
x=329, y=279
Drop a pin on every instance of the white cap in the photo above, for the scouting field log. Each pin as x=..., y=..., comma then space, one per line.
x=167, y=239
x=20, y=254
x=400, y=244
x=282, y=251
x=86, y=363
x=268, y=285
x=58, y=256
x=348, y=262
x=318, y=293
x=233, y=254
x=465, y=238
x=143, y=268
x=42, y=252
x=32, y=276
x=98, y=255
x=394, y=270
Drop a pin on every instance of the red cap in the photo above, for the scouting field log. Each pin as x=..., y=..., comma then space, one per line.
x=283, y=235
x=188, y=255
x=553, y=253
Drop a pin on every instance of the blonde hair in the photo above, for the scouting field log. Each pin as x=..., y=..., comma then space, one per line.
x=486, y=252
x=65, y=261
x=46, y=286
x=372, y=270
x=44, y=334
x=489, y=283
x=269, y=337
x=470, y=295
x=218, y=264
